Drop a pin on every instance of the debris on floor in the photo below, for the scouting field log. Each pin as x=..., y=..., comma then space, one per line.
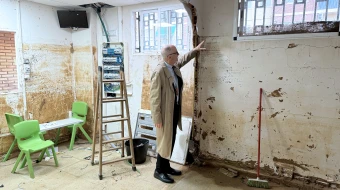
x=229, y=172
x=285, y=170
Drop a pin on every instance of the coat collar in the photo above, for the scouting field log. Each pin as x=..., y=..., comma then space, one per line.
x=167, y=72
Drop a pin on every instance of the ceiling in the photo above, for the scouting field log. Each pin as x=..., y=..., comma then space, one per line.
x=76, y=3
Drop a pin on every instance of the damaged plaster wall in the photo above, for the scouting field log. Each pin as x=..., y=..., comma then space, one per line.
x=301, y=103
x=49, y=90
x=62, y=64
x=146, y=62
x=84, y=59
x=9, y=102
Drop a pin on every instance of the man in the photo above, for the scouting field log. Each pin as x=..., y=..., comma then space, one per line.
x=166, y=100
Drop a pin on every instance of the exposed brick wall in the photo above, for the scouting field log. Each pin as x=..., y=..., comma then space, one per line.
x=8, y=71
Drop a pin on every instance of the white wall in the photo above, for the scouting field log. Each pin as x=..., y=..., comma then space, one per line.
x=301, y=127
x=40, y=25
x=8, y=15
x=141, y=65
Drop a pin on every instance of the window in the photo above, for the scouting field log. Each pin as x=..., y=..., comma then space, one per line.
x=8, y=71
x=267, y=17
x=159, y=27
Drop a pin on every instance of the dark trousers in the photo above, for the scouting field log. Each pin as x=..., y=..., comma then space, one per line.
x=163, y=165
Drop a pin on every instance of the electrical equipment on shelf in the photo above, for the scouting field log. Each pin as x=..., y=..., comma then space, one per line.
x=112, y=64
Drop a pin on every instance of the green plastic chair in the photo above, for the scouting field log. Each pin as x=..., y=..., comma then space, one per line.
x=27, y=134
x=79, y=111
x=13, y=119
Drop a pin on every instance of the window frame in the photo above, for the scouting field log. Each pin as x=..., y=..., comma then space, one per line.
x=142, y=51
x=236, y=36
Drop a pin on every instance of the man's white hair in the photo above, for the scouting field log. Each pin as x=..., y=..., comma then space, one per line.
x=166, y=50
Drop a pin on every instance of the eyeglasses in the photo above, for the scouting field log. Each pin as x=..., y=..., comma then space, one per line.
x=176, y=53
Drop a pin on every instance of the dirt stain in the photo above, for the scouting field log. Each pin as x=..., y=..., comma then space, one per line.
x=71, y=48
x=280, y=100
x=212, y=99
x=204, y=121
x=221, y=139
x=280, y=78
x=274, y=115
x=252, y=118
x=286, y=161
x=232, y=88
x=204, y=135
x=275, y=93
x=42, y=104
x=213, y=132
x=210, y=107
x=292, y=45
x=200, y=114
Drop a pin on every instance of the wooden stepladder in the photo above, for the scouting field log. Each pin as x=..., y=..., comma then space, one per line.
x=101, y=120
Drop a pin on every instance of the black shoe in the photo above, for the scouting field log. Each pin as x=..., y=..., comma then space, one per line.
x=163, y=177
x=172, y=171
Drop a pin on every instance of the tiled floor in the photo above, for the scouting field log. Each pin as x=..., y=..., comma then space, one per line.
x=75, y=172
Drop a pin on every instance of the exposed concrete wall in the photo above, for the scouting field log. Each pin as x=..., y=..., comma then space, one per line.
x=301, y=97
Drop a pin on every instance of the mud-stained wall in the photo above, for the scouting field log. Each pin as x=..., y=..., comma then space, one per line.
x=83, y=71
x=49, y=90
x=187, y=73
x=301, y=99
x=9, y=103
x=60, y=72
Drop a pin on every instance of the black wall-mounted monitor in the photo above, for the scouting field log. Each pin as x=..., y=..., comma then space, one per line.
x=72, y=19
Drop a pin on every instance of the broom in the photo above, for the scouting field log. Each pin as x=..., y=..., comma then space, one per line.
x=258, y=182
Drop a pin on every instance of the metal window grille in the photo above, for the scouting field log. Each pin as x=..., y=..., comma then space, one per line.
x=263, y=17
x=162, y=27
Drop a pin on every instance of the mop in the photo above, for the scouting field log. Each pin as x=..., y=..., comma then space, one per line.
x=258, y=182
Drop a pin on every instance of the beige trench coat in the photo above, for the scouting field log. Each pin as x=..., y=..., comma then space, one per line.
x=162, y=97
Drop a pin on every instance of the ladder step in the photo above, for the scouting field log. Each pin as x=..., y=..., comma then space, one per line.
x=115, y=120
x=107, y=100
x=116, y=140
x=111, y=149
x=117, y=160
x=116, y=132
x=107, y=116
x=113, y=80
